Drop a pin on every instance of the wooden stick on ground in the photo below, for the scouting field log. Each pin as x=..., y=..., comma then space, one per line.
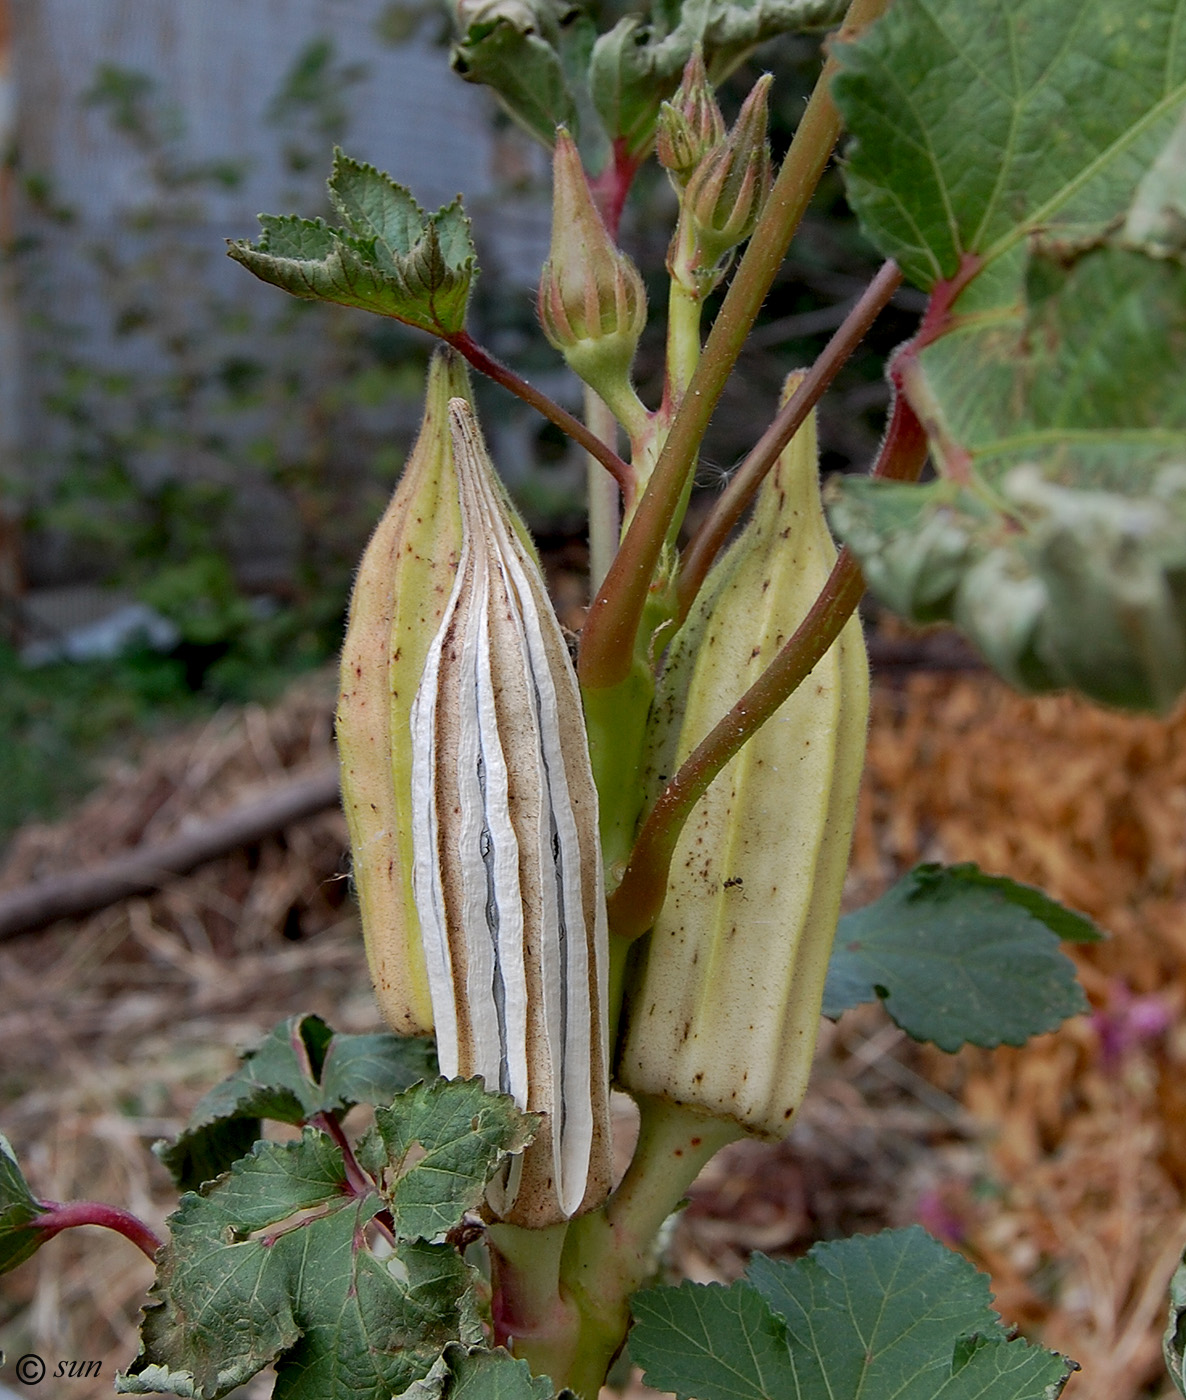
x=149, y=867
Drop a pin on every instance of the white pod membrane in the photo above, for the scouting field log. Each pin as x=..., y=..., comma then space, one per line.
x=506, y=858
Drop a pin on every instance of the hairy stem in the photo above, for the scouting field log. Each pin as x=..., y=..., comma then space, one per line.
x=707, y=542
x=58, y=1217
x=683, y=342
x=634, y=905
x=607, y=644
x=502, y=374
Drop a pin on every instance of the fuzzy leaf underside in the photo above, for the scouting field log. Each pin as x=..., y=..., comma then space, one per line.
x=889, y=1314
x=960, y=957
x=388, y=257
x=1042, y=148
x=974, y=126
x=550, y=69
x=274, y=1263
x=300, y=1069
x=519, y=51
x=18, y=1209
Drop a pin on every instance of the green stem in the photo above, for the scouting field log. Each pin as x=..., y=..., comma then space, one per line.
x=607, y=643
x=743, y=485
x=502, y=374
x=609, y=1253
x=684, y=308
x=605, y=511
x=635, y=903
x=530, y=1315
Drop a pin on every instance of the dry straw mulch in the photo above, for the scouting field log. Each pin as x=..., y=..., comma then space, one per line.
x=1060, y=1168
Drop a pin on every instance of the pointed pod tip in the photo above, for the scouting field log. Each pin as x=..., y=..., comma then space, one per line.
x=461, y=415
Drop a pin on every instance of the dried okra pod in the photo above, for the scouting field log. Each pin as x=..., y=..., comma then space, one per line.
x=507, y=866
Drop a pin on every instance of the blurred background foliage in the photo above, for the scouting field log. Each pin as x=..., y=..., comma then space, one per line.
x=176, y=435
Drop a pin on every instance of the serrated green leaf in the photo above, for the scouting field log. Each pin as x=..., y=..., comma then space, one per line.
x=708, y=1342
x=297, y=1071
x=272, y=1265
x=475, y=1373
x=390, y=257
x=443, y=1142
x=373, y=1068
x=976, y=125
x=899, y=1314
x=18, y=1209
x=959, y=957
x=879, y=1315
x=373, y=206
x=299, y=239
x=1038, y=148
x=550, y=68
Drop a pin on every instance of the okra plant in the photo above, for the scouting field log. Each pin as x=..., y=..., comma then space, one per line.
x=627, y=873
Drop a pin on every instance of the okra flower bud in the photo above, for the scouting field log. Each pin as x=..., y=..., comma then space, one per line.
x=399, y=599
x=507, y=863
x=729, y=188
x=690, y=125
x=723, y=1013
x=592, y=303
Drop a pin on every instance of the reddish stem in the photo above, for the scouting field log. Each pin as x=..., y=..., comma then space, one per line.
x=952, y=458
x=611, y=187
x=708, y=540
x=623, y=474
x=58, y=1217
x=357, y=1180
x=635, y=904
x=937, y=318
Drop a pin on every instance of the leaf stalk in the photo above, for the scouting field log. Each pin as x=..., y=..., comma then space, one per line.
x=58, y=1217
x=482, y=360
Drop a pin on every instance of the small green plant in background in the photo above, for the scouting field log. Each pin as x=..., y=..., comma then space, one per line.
x=629, y=872
x=157, y=482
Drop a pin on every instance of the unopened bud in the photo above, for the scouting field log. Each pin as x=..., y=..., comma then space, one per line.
x=690, y=125
x=592, y=303
x=725, y=196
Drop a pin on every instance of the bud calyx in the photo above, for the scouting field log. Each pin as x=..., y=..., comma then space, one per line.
x=690, y=125
x=592, y=303
x=724, y=197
